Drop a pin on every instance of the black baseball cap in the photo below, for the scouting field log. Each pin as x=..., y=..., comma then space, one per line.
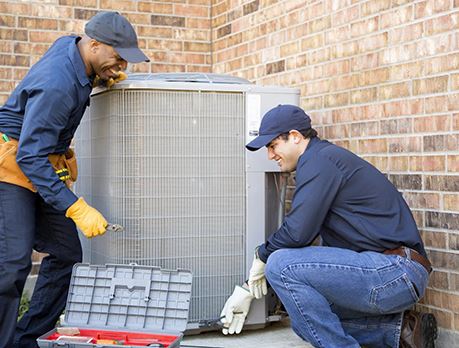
x=114, y=30
x=279, y=120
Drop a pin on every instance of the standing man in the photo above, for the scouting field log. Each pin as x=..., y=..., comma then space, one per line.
x=371, y=265
x=37, y=209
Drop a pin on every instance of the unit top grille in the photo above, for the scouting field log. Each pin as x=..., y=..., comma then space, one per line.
x=189, y=77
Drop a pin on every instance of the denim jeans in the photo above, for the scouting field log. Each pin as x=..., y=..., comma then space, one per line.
x=341, y=298
x=27, y=222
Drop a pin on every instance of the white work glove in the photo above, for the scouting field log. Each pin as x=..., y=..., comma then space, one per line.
x=257, y=279
x=235, y=310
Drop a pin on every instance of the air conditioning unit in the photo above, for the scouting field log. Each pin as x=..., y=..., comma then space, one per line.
x=164, y=155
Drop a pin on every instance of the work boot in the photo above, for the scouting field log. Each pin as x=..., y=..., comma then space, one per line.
x=419, y=330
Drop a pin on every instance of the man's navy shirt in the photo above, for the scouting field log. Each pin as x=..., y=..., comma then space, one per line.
x=347, y=201
x=43, y=113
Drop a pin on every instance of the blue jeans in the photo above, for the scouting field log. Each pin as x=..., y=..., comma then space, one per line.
x=341, y=298
x=27, y=222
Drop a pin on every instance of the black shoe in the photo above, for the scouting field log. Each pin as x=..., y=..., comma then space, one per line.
x=419, y=330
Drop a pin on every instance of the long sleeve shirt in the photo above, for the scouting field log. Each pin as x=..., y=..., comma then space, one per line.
x=346, y=201
x=43, y=113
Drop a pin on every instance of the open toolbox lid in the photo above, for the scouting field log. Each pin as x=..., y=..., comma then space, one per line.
x=129, y=297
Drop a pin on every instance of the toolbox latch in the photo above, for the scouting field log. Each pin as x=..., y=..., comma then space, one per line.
x=130, y=284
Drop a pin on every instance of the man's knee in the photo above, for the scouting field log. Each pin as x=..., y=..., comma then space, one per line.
x=12, y=280
x=276, y=264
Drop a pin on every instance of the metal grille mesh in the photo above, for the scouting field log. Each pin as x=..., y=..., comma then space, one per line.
x=169, y=166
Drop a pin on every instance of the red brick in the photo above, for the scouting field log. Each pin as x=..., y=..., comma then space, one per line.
x=396, y=90
x=403, y=107
x=7, y=21
x=49, y=11
x=346, y=49
x=37, y=23
x=441, y=64
x=314, y=103
x=313, y=41
x=453, y=102
x=332, y=36
x=405, y=34
x=14, y=7
x=428, y=163
x=374, y=6
x=398, y=164
x=336, y=132
x=373, y=146
x=19, y=73
x=192, y=11
x=405, y=71
x=436, y=104
x=405, y=144
x=367, y=61
x=345, y=16
x=203, y=47
x=13, y=34
x=429, y=124
x=453, y=165
x=430, y=7
x=364, y=129
x=372, y=43
x=365, y=26
x=396, y=17
x=5, y=73
x=337, y=99
x=451, y=202
x=432, y=239
x=364, y=95
x=118, y=5
x=44, y=36
x=6, y=46
x=155, y=7
x=455, y=122
x=441, y=24
x=396, y=126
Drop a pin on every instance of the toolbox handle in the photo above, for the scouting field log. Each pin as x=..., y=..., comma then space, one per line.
x=130, y=284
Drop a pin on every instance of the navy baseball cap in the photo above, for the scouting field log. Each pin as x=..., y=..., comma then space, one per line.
x=114, y=30
x=279, y=120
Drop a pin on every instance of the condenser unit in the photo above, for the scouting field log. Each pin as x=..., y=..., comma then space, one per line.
x=164, y=155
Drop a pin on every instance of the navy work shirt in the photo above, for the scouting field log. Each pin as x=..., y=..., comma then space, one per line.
x=347, y=201
x=43, y=113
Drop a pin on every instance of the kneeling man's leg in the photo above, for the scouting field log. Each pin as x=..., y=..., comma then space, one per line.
x=323, y=288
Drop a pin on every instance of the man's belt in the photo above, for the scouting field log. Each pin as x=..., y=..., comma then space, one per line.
x=414, y=255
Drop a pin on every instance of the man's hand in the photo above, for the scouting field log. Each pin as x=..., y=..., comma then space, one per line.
x=98, y=82
x=121, y=76
x=235, y=310
x=257, y=279
x=89, y=220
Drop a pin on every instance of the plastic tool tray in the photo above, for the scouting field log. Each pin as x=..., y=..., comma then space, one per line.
x=123, y=305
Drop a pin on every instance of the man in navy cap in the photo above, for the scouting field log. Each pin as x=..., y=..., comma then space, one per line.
x=37, y=208
x=371, y=265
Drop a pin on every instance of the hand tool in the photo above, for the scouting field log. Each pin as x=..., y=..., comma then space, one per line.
x=114, y=228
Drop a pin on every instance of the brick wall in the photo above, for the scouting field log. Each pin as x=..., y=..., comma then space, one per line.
x=175, y=34
x=378, y=77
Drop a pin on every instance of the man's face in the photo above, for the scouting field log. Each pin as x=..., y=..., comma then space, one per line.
x=106, y=62
x=284, y=152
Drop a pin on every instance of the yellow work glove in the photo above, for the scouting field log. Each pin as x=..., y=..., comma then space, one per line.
x=89, y=220
x=111, y=81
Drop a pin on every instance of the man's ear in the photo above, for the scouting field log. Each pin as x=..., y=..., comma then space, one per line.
x=296, y=136
x=94, y=46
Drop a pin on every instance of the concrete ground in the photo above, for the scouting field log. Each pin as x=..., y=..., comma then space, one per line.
x=277, y=335
x=280, y=335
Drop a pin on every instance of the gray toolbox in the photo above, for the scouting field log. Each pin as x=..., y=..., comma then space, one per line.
x=123, y=306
